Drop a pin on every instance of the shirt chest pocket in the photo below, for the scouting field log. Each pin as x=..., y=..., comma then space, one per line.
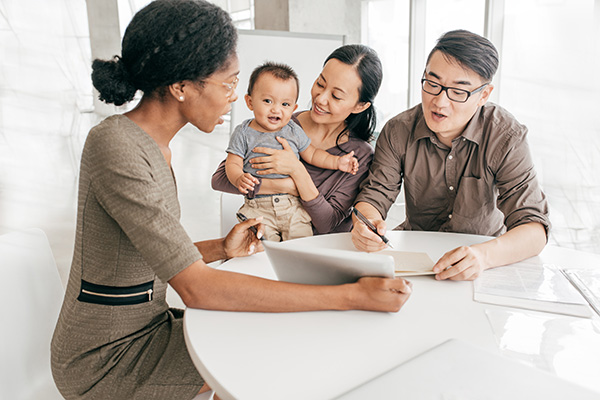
x=475, y=198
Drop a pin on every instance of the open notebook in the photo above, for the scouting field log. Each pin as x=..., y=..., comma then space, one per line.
x=410, y=263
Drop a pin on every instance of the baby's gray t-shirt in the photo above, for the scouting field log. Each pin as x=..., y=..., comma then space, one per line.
x=244, y=139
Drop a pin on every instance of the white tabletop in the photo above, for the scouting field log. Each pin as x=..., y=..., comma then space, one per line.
x=321, y=355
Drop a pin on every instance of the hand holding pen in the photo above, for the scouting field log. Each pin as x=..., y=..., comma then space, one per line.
x=370, y=225
x=241, y=217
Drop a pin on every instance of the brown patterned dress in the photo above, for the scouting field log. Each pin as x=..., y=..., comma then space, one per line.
x=116, y=336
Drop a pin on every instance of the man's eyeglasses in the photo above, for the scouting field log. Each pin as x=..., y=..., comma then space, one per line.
x=229, y=85
x=454, y=94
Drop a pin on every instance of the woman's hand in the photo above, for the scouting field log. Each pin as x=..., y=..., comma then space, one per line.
x=381, y=294
x=242, y=241
x=283, y=162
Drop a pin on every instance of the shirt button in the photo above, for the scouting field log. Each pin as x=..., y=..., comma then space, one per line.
x=464, y=139
x=450, y=216
x=276, y=200
x=450, y=157
x=451, y=188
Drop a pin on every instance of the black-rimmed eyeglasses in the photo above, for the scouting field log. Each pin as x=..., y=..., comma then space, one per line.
x=454, y=94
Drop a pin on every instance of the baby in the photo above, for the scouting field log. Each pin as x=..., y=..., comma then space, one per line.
x=272, y=96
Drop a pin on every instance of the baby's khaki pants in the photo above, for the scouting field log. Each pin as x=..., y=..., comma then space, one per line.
x=284, y=217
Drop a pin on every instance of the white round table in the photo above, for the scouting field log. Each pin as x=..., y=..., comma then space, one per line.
x=321, y=355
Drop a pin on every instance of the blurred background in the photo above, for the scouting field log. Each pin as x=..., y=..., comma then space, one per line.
x=550, y=54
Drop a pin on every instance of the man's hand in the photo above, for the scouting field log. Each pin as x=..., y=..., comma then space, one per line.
x=364, y=239
x=464, y=263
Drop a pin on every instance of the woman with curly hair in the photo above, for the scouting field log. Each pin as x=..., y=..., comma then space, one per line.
x=116, y=337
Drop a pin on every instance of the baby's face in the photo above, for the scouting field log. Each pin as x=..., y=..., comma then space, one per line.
x=273, y=102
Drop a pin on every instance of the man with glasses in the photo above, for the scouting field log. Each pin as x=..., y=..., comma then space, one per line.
x=465, y=164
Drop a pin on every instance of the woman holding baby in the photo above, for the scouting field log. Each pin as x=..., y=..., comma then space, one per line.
x=341, y=120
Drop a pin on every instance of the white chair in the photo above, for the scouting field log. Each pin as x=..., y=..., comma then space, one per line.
x=30, y=299
x=230, y=203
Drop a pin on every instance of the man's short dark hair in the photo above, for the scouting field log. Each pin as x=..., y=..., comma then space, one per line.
x=469, y=50
x=279, y=71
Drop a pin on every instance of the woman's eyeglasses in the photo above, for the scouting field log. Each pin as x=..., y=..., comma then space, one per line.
x=229, y=85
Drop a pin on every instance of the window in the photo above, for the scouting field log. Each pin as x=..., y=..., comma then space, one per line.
x=548, y=81
x=387, y=28
x=241, y=11
x=446, y=15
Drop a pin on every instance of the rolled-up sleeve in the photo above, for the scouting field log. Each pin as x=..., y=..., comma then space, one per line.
x=520, y=197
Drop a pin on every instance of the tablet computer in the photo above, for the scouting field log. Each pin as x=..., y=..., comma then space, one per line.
x=298, y=263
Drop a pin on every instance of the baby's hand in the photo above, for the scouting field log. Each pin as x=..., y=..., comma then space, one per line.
x=348, y=163
x=245, y=183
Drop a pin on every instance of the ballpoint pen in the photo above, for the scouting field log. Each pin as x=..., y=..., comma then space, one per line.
x=370, y=225
x=243, y=218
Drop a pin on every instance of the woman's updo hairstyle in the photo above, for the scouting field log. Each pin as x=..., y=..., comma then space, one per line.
x=166, y=42
x=367, y=64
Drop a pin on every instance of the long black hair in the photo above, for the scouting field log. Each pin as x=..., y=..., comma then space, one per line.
x=367, y=64
x=167, y=41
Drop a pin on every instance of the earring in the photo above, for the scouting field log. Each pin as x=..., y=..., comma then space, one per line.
x=180, y=98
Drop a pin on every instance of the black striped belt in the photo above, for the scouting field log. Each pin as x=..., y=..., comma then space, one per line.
x=115, y=295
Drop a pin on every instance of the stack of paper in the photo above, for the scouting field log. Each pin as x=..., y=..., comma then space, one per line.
x=531, y=286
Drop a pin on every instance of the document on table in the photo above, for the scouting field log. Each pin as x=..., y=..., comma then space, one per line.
x=410, y=263
x=587, y=282
x=531, y=286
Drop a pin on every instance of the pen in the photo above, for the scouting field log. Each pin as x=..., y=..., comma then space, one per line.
x=370, y=225
x=243, y=218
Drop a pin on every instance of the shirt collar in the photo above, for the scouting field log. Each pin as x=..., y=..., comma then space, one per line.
x=422, y=131
x=473, y=131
